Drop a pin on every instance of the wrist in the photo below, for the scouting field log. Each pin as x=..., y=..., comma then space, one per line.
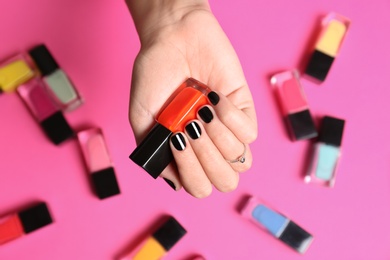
x=150, y=16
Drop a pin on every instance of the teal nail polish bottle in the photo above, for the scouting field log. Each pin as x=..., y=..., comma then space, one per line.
x=327, y=152
x=58, y=84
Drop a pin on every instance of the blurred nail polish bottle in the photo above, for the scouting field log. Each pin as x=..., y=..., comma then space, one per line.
x=45, y=111
x=199, y=258
x=98, y=162
x=59, y=85
x=333, y=30
x=153, y=154
x=293, y=103
x=26, y=221
x=16, y=71
x=327, y=152
x=157, y=245
x=278, y=225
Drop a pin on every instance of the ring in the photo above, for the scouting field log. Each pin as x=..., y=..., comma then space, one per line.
x=240, y=158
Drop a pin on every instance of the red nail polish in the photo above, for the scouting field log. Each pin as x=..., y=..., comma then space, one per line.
x=18, y=224
x=154, y=153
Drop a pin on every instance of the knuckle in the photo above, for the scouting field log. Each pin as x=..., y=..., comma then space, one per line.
x=229, y=186
x=202, y=193
x=227, y=117
x=247, y=165
x=250, y=136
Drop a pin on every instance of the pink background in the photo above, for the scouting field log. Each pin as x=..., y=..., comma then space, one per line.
x=95, y=43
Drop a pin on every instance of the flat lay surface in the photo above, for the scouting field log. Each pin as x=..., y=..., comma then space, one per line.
x=95, y=43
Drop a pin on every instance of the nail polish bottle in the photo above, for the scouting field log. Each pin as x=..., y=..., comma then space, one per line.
x=276, y=224
x=157, y=245
x=45, y=111
x=59, y=85
x=98, y=162
x=153, y=154
x=333, y=30
x=18, y=224
x=294, y=106
x=16, y=71
x=327, y=152
x=199, y=258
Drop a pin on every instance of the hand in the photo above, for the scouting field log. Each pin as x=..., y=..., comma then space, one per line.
x=182, y=42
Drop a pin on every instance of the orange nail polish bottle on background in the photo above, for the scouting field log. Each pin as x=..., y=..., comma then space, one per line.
x=153, y=154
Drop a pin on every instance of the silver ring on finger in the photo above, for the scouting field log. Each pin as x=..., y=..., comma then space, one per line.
x=240, y=158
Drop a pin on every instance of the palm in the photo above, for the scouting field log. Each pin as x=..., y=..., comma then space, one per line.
x=196, y=47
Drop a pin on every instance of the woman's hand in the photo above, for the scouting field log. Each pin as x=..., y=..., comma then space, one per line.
x=181, y=39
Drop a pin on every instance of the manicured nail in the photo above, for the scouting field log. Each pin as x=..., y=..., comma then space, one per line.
x=213, y=97
x=170, y=183
x=178, y=141
x=193, y=130
x=206, y=114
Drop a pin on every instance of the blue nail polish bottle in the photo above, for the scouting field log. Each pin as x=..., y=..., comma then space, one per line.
x=327, y=152
x=278, y=225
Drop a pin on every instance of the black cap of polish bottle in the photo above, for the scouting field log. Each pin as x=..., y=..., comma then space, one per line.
x=169, y=233
x=35, y=217
x=154, y=153
x=43, y=59
x=331, y=131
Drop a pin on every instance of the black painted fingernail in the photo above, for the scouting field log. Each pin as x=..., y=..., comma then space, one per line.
x=170, y=183
x=213, y=97
x=178, y=141
x=193, y=130
x=206, y=114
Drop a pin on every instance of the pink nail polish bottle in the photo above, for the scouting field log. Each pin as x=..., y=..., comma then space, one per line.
x=98, y=162
x=294, y=106
x=45, y=111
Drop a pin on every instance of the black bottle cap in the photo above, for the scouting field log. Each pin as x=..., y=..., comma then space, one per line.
x=43, y=59
x=154, y=153
x=169, y=233
x=35, y=217
x=57, y=128
x=319, y=65
x=302, y=125
x=331, y=131
x=105, y=183
x=296, y=237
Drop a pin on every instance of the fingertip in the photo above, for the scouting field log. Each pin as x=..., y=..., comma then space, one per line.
x=229, y=185
x=205, y=114
x=213, y=98
x=249, y=136
x=171, y=177
x=193, y=129
x=201, y=192
x=172, y=184
x=178, y=141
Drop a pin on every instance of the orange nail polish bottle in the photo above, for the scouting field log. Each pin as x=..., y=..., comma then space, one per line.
x=153, y=154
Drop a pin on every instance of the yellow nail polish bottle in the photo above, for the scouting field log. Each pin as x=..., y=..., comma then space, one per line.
x=15, y=71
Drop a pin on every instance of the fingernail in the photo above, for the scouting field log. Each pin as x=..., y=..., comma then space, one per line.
x=170, y=183
x=178, y=141
x=206, y=114
x=193, y=130
x=213, y=97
